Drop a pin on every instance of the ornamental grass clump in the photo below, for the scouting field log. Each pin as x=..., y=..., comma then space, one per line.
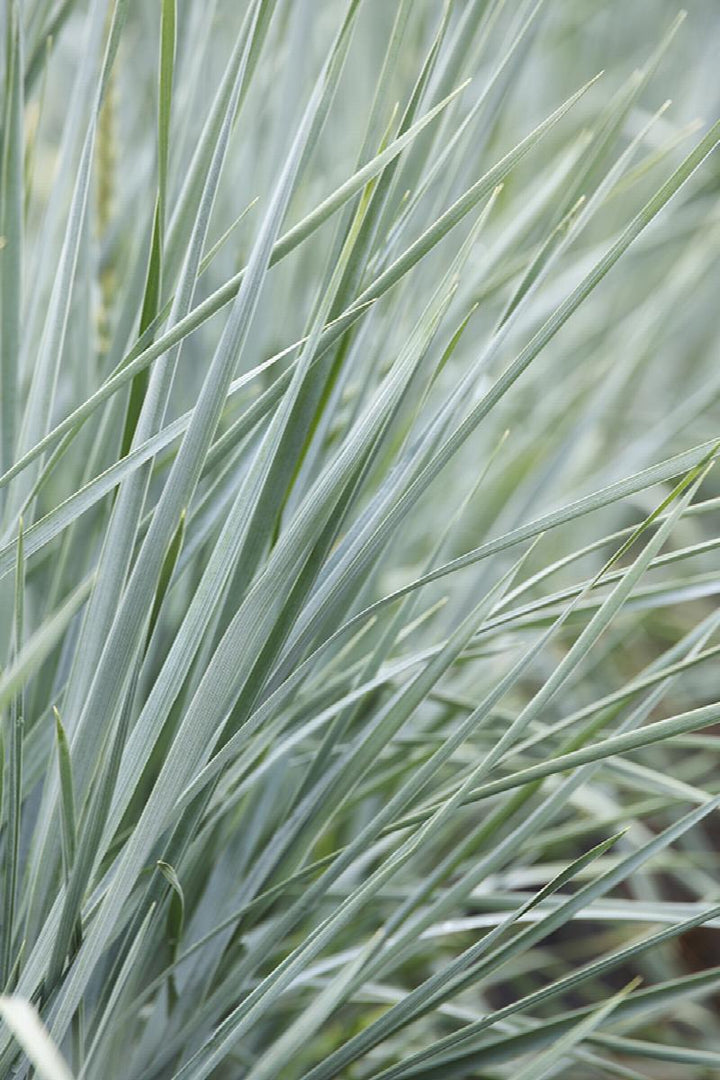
x=360, y=526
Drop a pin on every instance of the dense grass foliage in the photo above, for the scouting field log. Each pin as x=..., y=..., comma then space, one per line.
x=360, y=531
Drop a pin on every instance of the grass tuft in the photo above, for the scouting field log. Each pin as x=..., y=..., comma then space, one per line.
x=358, y=536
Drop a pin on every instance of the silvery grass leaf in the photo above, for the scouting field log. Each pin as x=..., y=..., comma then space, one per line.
x=28, y=1029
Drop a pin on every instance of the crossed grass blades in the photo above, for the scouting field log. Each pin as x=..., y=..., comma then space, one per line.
x=359, y=540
